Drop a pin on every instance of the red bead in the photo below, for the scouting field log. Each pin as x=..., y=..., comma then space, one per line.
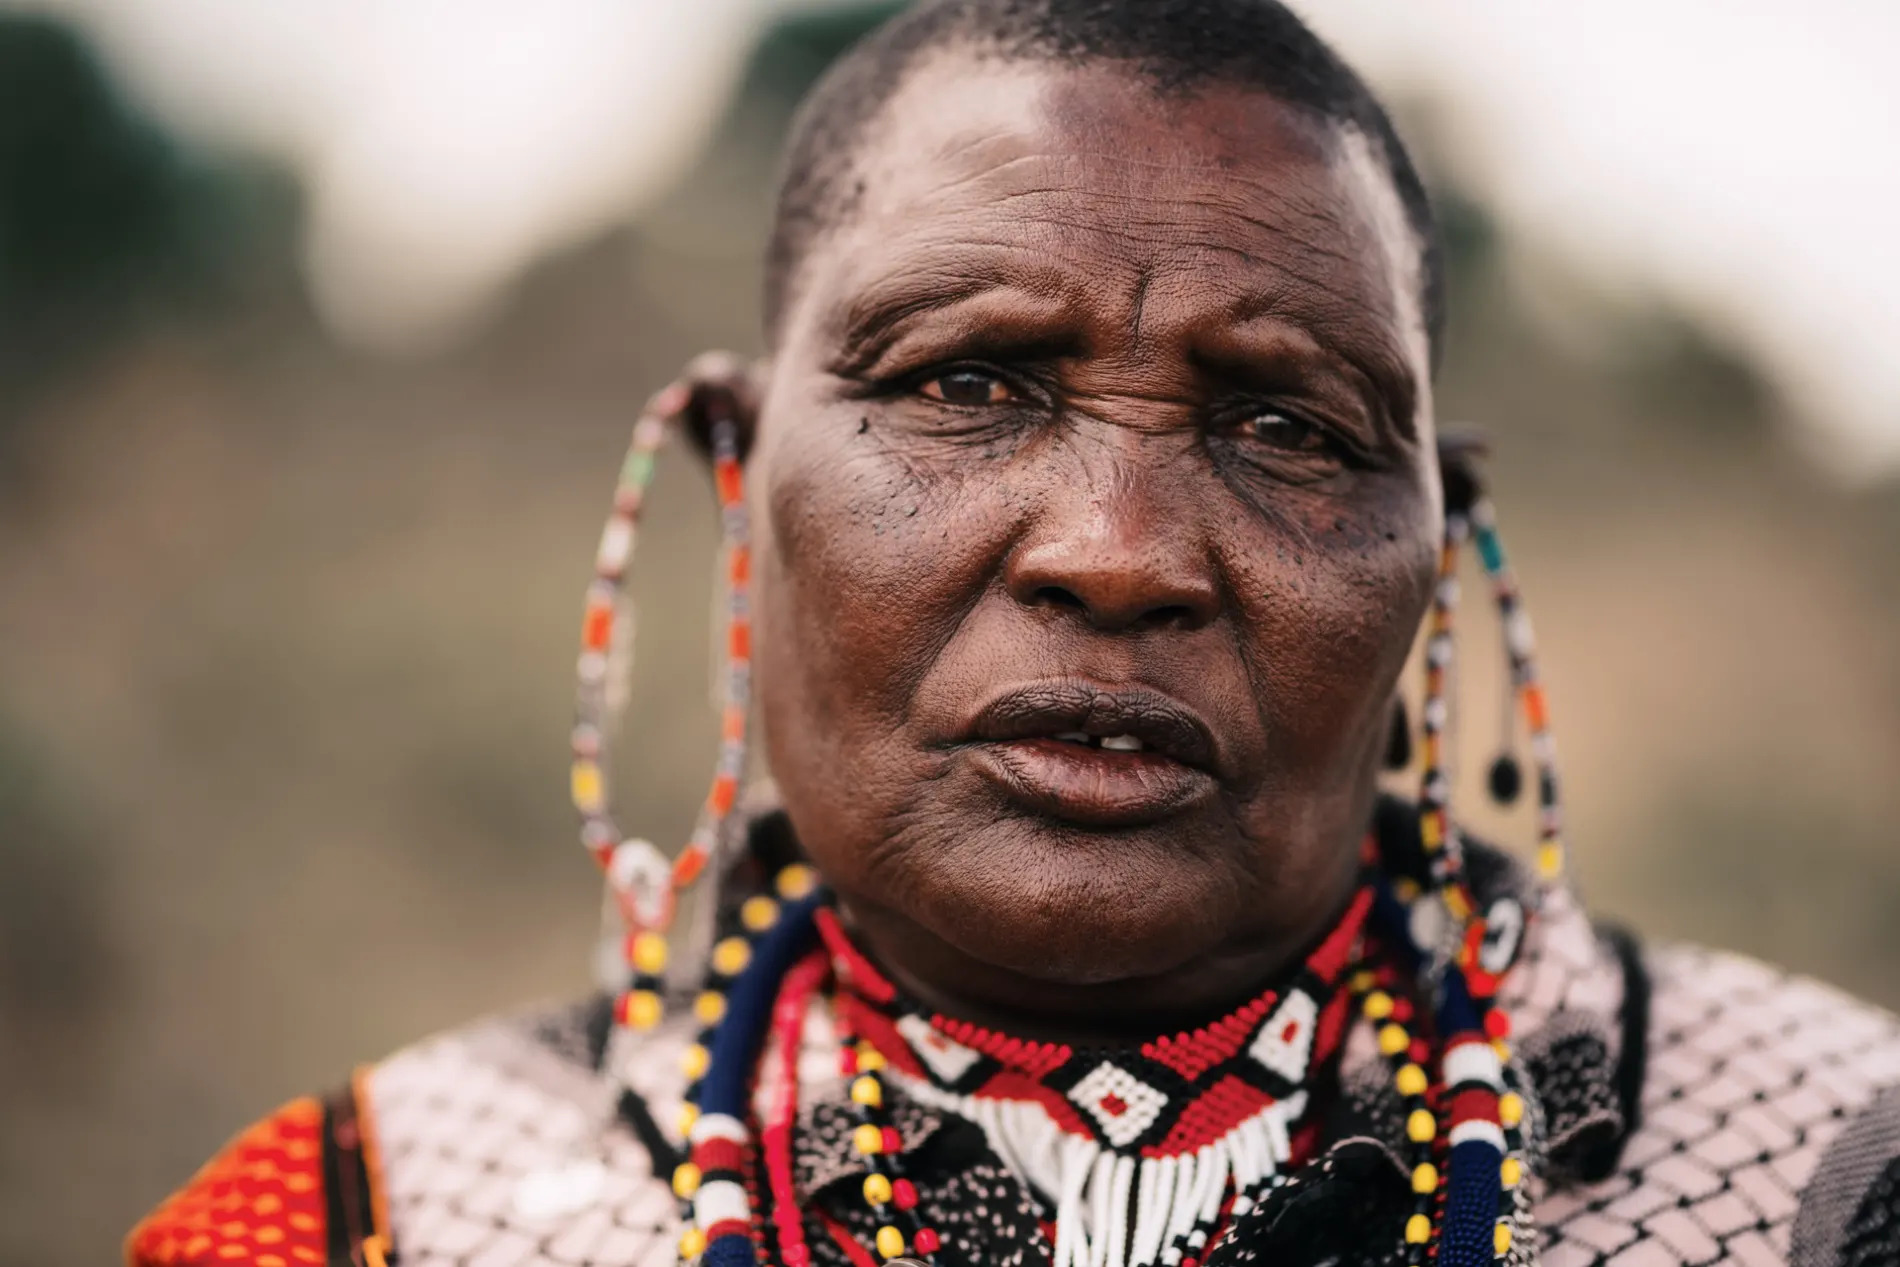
x=1421, y=1052
x=797, y=1255
x=1497, y=1024
x=893, y=1142
x=904, y=1193
x=1401, y=1010
x=927, y=1240
x=848, y=1061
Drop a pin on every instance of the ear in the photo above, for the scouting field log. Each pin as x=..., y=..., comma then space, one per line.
x=717, y=386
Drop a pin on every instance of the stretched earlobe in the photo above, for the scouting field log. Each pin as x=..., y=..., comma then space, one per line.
x=1398, y=743
x=721, y=387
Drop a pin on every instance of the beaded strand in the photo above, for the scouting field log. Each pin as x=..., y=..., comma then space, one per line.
x=891, y=1196
x=1437, y=831
x=1521, y=653
x=645, y=886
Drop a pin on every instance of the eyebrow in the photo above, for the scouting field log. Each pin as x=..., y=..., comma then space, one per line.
x=1375, y=361
x=879, y=315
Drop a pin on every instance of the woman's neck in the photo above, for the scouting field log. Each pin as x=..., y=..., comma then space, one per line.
x=944, y=979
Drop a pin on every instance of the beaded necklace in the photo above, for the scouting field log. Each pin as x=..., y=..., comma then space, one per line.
x=1147, y=1156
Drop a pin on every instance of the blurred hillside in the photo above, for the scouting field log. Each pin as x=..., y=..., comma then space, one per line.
x=286, y=631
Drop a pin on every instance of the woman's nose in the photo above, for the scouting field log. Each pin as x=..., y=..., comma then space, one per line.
x=1128, y=562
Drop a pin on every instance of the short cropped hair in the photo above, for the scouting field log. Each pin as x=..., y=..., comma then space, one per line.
x=1179, y=45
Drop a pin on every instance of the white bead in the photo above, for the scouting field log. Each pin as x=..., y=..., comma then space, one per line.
x=1473, y=1062
x=711, y=1126
x=718, y=1201
x=1485, y=1132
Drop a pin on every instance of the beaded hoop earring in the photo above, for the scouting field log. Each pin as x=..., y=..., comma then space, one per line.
x=645, y=888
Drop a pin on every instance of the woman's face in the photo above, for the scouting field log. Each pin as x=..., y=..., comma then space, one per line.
x=1095, y=504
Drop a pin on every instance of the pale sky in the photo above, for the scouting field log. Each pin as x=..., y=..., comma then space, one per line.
x=1739, y=159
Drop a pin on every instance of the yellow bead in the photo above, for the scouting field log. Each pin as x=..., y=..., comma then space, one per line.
x=1393, y=1039
x=1456, y=904
x=1412, y=1080
x=877, y=1189
x=730, y=956
x=1425, y=1178
x=688, y=1119
x=685, y=1179
x=1550, y=861
x=796, y=881
x=1428, y=831
x=1406, y=889
x=1503, y=1050
x=644, y=1009
x=1510, y=1172
x=867, y=1092
x=1418, y=1229
x=758, y=913
x=585, y=785
x=649, y=953
x=1502, y=1239
x=890, y=1242
x=1378, y=1005
x=692, y=1243
x=1362, y=981
x=1421, y=1126
x=868, y=1140
x=710, y=1007
x=1510, y=1108
x=693, y=1061
x=870, y=1059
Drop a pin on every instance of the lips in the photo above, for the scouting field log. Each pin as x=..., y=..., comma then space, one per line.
x=1094, y=755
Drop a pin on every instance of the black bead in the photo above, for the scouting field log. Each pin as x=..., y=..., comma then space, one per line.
x=1398, y=743
x=1507, y=780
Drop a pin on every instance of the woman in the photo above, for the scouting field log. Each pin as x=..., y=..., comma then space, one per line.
x=1095, y=499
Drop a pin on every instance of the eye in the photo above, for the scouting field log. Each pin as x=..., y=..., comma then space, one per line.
x=1283, y=432
x=966, y=387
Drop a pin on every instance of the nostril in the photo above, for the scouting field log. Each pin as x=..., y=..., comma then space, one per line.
x=1056, y=596
x=1179, y=616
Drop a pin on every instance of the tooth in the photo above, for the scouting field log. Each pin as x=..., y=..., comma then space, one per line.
x=1121, y=743
x=1073, y=736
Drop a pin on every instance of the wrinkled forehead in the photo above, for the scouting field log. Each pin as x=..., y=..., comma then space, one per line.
x=1060, y=180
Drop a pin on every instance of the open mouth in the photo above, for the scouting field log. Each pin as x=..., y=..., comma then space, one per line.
x=1092, y=754
x=1109, y=743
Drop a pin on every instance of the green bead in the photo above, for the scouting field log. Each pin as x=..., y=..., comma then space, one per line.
x=1489, y=550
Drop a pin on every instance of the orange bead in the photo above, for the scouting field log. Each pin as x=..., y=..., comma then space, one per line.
x=597, y=627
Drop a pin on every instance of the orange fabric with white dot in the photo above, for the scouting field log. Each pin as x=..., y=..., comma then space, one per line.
x=259, y=1203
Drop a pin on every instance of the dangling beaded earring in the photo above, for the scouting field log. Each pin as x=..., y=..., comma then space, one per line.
x=1466, y=1129
x=1525, y=692
x=645, y=887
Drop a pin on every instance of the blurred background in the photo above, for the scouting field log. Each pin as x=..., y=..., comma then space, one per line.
x=322, y=325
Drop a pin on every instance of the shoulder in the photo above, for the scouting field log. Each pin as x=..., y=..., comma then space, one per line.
x=510, y=1133
x=506, y=1135
x=1768, y=1130
x=260, y=1200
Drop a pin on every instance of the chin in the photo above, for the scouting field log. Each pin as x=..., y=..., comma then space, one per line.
x=1072, y=907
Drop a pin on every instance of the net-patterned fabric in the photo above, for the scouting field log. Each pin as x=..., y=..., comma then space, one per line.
x=501, y=1148
x=1688, y=1108
x=1751, y=1076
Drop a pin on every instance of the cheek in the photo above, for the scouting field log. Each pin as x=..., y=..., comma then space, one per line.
x=1330, y=613
x=868, y=566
